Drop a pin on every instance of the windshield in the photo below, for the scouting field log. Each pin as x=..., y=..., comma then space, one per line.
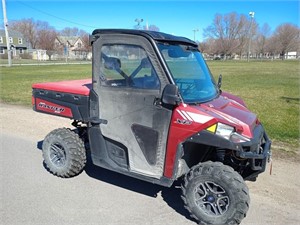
x=190, y=73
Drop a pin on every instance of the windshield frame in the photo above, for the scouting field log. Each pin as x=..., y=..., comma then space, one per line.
x=188, y=51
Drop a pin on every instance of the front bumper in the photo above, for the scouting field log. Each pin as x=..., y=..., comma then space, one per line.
x=257, y=151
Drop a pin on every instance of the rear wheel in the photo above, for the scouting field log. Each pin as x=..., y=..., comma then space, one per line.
x=214, y=193
x=64, y=153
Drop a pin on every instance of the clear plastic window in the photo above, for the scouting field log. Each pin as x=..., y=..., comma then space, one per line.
x=127, y=66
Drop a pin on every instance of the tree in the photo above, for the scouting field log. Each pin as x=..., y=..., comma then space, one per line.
x=287, y=38
x=230, y=32
x=203, y=47
x=74, y=31
x=36, y=33
x=46, y=41
x=246, y=34
x=86, y=44
x=271, y=46
x=151, y=27
x=46, y=38
x=261, y=40
x=28, y=28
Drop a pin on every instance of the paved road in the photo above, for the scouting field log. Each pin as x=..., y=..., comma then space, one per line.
x=30, y=195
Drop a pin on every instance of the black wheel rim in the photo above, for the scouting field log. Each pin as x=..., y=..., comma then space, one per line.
x=211, y=198
x=57, y=155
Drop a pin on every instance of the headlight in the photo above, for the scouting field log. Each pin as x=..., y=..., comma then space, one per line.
x=238, y=138
x=227, y=132
x=224, y=130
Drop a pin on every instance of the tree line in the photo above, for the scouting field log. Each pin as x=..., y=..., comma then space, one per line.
x=236, y=34
x=229, y=35
x=41, y=35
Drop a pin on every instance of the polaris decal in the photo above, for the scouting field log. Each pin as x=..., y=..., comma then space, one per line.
x=52, y=108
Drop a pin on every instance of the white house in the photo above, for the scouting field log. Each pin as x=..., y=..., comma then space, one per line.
x=291, y=55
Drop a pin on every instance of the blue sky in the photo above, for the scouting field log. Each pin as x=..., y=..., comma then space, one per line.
x=175, y=17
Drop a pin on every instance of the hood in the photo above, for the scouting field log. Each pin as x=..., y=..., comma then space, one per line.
x=231, y=112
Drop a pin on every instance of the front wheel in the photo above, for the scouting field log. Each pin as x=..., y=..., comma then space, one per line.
x=214, y=193
x=64, y=153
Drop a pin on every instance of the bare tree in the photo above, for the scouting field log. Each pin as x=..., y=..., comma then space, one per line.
x=210, y=47
x=261, y=40
x=204, y=47
x=28, y=28
x=228, y=30
x=151, y=27
x=287, y=38
x=46, y=38
x=33, y=31
x=86, y=44
x=271, y=46
x=74, y=31
x=231, y=33
x=245, y=35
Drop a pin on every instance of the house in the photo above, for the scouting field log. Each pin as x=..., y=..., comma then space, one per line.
x=17, y=43
x=291, y=55
x=38, y=54
x=71, y=47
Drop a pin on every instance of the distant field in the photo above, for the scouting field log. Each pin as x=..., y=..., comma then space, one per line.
x=270, y=89
x=16, y=62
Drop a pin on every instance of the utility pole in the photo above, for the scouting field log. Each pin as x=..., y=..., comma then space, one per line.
x=147, y=26
x=6, y=33
x=251, y=14
x=195, y=30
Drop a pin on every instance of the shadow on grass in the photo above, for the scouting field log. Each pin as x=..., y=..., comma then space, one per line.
x=291, y=100
x=170, y=195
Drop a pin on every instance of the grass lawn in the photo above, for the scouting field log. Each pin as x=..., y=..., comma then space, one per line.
x=16, y=81
x=270, y=89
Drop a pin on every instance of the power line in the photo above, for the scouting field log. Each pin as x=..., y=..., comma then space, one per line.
x=56, y=17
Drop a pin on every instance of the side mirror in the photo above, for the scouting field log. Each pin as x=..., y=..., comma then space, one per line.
x=170, y=95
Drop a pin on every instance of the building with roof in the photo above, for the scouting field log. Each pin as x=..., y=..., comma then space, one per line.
x=18, y=44
x=71, y=46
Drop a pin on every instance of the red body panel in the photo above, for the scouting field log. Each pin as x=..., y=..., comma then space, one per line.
x=80, y=87
x=188, y=120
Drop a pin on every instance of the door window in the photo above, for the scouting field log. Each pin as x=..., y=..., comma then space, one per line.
x=127, y=66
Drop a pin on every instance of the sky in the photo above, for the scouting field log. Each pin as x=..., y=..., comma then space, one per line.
x=171, y=16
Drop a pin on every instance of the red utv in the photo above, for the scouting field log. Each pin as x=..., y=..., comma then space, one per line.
x=153, y=111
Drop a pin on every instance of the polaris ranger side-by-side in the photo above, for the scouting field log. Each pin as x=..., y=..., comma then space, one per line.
x=153, y=111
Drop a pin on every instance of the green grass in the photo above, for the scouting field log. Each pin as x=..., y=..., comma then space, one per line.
x=270, y=89
x=16, y=81
x=4, y=62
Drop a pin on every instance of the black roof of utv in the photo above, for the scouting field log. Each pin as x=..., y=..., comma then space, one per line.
x=157, y=36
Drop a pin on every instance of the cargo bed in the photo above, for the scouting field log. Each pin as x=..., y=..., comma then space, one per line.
x=65, y=98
